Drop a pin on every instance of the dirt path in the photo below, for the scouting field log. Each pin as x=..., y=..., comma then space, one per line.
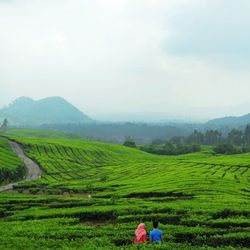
x=34, y=172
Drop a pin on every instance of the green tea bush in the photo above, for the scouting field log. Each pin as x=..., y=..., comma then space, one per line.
x=93, y=195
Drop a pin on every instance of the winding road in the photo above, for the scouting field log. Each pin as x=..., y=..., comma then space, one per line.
x=33, y=170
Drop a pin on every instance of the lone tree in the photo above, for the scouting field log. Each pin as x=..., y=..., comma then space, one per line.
x=4, y=125
x=129, y=142
x=247, y=135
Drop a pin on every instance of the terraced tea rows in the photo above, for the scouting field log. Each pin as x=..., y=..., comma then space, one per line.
x=11, y=167
x=201, y=200
x=8, y=158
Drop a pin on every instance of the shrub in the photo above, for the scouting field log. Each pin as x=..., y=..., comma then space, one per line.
x=170, y=149
x=129, y=142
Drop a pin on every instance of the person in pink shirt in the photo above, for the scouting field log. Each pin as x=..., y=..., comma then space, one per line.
x=140, y=234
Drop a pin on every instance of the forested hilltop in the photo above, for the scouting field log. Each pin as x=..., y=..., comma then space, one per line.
x=26, y=112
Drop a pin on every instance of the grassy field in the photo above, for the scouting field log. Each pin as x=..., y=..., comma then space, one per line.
x=92, y=195
x=11, y=167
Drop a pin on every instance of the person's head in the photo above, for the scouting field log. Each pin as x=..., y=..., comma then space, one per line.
x=155, y=224
x=141, y=226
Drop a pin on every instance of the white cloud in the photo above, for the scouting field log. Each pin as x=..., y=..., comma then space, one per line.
x=214, y=28
x=115, y=55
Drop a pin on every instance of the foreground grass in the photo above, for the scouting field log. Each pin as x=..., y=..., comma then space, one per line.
x=201, y=200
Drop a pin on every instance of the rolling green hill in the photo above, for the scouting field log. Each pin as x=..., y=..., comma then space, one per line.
x=92, y=195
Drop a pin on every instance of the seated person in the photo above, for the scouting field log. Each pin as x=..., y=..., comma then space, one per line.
x=156, y=234
x=140, y=234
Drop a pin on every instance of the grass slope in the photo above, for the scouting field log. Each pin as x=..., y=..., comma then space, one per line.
x=11, y=167
x=201, y=200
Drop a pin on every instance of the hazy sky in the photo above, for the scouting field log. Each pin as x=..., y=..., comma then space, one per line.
x=110, y=56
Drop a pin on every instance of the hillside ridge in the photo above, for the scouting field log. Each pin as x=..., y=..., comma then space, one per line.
x=24, y=111
x=231, y=120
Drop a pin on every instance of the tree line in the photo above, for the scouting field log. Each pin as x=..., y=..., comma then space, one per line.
x=117, y=132
x=163, y=147
x=236, y=141
x=214, y=137
x=170, y=149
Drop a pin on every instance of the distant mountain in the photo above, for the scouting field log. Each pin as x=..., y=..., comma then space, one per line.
x=230, y=121
x=25, y=111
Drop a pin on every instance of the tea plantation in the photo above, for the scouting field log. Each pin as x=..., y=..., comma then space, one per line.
x=92, y=195
x=11, y=167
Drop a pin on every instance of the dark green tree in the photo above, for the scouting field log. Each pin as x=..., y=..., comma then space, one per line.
x=169, y=148
x=212, y=137
x=178, y=140
x=157, y=141
x=4, y=125
x=226, y=149
x=195, y=138
x=247, y=135
x=235, y=137
x=129, y=142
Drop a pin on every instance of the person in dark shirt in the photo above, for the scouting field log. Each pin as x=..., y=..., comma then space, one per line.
x=156, y=235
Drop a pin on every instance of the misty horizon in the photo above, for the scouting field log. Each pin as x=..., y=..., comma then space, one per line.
x=158, y=117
